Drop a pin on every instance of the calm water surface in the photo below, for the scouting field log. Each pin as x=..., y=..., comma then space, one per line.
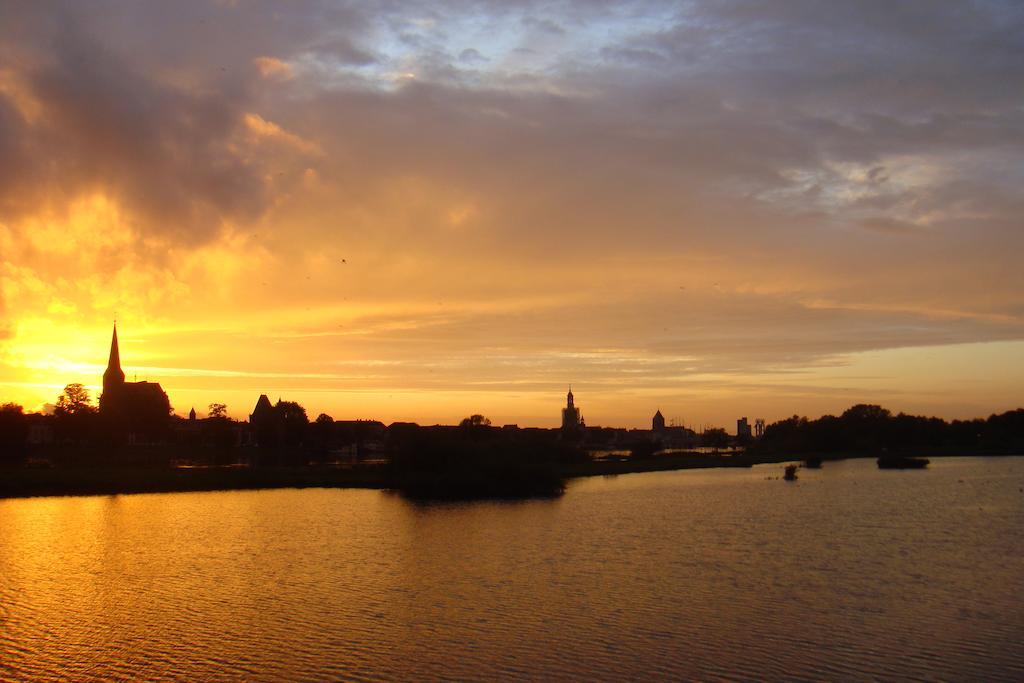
x=849, y=573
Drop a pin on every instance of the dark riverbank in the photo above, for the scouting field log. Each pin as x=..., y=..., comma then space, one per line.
x=673, y=461
x=79, y=481
x=71, y=481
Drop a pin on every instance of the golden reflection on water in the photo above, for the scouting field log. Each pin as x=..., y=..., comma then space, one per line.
x=705, y=574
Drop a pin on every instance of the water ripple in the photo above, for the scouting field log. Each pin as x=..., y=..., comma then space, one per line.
x=851, y=574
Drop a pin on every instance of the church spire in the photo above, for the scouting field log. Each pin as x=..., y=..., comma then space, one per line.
x=571, y=420
x=114, y=375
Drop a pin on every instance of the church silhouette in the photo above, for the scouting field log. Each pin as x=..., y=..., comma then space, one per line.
x=141, y=408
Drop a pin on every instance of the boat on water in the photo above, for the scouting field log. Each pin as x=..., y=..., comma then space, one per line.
x=901, y=462
x=790, y=474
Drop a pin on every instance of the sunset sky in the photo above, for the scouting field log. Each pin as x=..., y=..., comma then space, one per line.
x=418, y=211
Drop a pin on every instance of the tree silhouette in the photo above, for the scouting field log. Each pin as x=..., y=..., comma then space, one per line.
x=715, y=437
x=75, y=416
x=868, y=428
x=218, y=432
x=74, y=401
x=290, y=411
x=292, y=418
x=322, y=433
x=475, y=421
x=13, y=432
x=864, y=411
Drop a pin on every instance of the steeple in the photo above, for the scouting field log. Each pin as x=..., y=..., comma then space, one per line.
x=571, y=420
x=114, y=375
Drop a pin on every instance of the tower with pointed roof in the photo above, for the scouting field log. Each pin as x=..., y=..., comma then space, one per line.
x=263, y=421
x=113, y=377
x=658, y=422
x=571, y=420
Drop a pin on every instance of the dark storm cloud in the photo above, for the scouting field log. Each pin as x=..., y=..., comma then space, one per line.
x=133, y=102
x=165, y=150
x=161, y=149
x=729, y=94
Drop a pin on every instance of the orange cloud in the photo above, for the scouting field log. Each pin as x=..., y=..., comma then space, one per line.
x=271, y=67
x=271, y=131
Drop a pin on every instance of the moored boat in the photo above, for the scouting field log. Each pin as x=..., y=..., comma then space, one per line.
x=901, y=462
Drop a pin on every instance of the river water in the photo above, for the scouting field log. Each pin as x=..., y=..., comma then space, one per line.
x=848, y=573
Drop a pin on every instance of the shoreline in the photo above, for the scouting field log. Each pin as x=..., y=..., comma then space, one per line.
x=61, y=482
x=126, y=480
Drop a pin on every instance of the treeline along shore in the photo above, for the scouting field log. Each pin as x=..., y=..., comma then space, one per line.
x=78, y=452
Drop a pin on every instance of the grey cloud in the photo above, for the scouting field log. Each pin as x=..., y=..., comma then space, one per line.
x=877, y=175
x=545, y=26
x=344, y=51
x=472, y=56
x=845, y=62
x=635, y=55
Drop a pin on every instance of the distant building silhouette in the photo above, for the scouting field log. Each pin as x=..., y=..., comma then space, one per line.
x=571, y=418
x=140, y=408
x=743, y=428
x=759, y=427
x=670, y=435
x=264, y=410
x=263, y=422
x=192, y=415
